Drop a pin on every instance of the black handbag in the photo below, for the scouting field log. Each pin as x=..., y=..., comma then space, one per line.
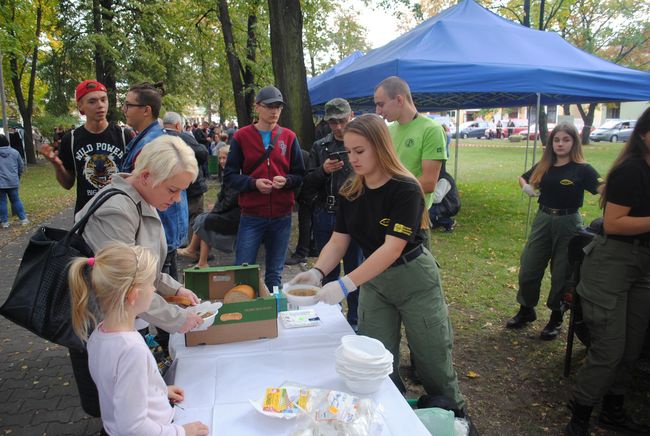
x=40, y=298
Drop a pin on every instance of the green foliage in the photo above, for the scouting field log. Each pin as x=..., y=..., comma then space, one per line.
x=331, y=31
x=46, y=123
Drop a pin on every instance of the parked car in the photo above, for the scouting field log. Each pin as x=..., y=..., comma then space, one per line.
x=447, y=121
x=613, y=130
x=475, y=129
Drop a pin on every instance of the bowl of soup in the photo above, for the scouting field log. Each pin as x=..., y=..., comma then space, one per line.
x=301, y=295
x=208, y=312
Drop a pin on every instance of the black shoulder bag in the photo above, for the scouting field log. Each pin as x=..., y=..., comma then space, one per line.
x=40, y=298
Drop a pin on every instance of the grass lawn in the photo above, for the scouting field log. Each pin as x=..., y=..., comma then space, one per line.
x=41, y=195
x=484, y=250
x=512, y=380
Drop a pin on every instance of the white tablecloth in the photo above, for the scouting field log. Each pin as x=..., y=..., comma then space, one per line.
x=219, y=380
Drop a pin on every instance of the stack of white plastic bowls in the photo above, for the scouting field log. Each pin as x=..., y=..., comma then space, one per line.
x=363, y=363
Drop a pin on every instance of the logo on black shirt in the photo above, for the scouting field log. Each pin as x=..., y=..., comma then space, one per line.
x=401, y=228
x=98, y=169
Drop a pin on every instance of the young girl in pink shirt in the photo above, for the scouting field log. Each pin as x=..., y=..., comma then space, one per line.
x=133, y=397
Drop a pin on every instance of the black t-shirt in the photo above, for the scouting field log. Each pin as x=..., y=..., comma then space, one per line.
x=629, y=185
x=563, y=187
x=392, y=209
x=95, y=158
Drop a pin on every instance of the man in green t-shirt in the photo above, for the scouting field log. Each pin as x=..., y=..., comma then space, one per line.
x=420, y=141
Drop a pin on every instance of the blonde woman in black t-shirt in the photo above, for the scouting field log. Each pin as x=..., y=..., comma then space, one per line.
x=559, y=179
x=382, y=209
x=615, y=291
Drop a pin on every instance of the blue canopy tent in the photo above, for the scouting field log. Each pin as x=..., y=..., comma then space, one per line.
x=468, y=57
x=331, y=71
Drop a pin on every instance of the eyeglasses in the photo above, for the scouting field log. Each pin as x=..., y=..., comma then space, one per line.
x=337, y=121
x=272, y=105
x=126, y=105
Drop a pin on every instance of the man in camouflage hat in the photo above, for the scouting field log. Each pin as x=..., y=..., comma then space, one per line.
x=328, y=168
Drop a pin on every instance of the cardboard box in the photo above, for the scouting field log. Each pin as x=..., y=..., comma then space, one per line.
x=235, y=322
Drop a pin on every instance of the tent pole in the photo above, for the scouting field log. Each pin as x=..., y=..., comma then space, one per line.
x=456, y=150
x=530, y=200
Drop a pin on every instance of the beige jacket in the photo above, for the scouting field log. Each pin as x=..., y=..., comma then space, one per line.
x=117, y=220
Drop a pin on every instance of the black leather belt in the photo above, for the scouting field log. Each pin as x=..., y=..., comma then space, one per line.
x=408, y=256
x=630, y=240
x=558, y=212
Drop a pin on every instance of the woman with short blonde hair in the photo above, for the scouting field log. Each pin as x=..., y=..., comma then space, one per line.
x=164, y=168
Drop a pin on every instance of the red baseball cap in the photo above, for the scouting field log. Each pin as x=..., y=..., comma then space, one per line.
x=88, y=86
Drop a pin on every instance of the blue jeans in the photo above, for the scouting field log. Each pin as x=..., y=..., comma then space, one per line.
x=274, y=232
x=16, y=204
x=323, y=224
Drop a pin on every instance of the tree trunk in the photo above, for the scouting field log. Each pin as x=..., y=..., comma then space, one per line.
x=588, y=119
x=105, y=69
x=244, y=111
x=251, y=47
x=285, y=18
x=26, y=109
x=542, y=123
x=527, y=13
x=222, y=118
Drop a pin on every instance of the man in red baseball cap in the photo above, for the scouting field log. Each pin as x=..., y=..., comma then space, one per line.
x=92, y=153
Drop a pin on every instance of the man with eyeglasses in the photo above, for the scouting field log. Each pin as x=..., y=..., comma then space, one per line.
x=265, y=165
x=328, y=168
x=92, y=153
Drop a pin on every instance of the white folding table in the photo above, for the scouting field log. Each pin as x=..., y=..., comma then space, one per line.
x=219, y=380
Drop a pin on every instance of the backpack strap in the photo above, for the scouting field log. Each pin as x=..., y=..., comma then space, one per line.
x=74, y=165
x=102, y=197
x=267, y=152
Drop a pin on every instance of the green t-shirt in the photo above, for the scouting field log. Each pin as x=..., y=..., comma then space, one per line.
x=418, y=140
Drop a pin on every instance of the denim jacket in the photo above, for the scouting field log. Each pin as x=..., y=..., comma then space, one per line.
x=175, y=219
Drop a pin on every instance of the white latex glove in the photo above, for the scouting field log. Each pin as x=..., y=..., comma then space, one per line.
x=311, y=277
x=332, y=293
x=529, y=190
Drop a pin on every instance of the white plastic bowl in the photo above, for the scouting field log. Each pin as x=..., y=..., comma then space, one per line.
x=344, y=359
x=207, y=321
x=363, y=387
x=300, y=300
x=202, y=308
x=358, y=376
x=362, y=347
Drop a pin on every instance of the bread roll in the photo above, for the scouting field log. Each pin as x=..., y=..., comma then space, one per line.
x=177, y=299
x=239, y=293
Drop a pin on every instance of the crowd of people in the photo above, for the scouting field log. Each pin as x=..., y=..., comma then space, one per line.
x=368, y=193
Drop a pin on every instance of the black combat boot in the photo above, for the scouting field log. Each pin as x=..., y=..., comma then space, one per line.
x=579, y=424
x=613, y=417
x=552, y=329
x=523, y=317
